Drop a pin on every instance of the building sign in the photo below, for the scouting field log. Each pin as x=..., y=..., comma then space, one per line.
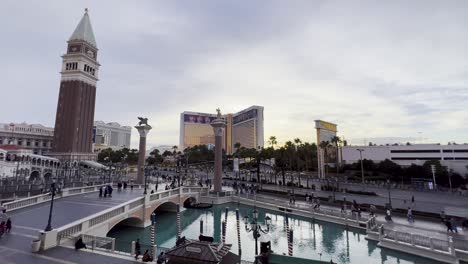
x=201, y=119
x=325, y=131
x=244, y=116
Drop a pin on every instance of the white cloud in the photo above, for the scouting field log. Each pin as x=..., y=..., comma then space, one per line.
x=377, y=69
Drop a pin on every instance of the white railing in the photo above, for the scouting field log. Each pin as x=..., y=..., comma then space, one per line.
x=433, y=244
x=83, y=225
x=21, y=203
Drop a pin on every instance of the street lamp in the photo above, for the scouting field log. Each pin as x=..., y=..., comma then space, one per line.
x=433, y=170
x=256, y=228
x=362, y=167
x=389, y=195
x=146, y=176
x=49, y=223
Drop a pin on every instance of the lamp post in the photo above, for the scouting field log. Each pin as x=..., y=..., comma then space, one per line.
x=153, y=226
x=49, y=222
x=362, y=166
x=433, y=170
x=256, y=228
x=146, y=176
x=389, y=195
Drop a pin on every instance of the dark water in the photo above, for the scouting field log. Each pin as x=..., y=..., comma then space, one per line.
x=312, y=239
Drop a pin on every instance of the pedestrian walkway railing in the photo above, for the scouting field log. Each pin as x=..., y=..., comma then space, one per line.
x=21, y=203
x=115, y=214
x=414, y=240
x=96, y=242
x=344, y=217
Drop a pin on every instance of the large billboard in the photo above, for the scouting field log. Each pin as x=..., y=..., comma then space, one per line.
x=244, y=116
x=199, y=118
x=325, y=131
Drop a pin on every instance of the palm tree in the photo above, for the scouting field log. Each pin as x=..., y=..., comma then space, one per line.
x=273, y=141
x=237, y=146
x=289, y=146
x=336, y=141
x=297, y=142
x=324, y=146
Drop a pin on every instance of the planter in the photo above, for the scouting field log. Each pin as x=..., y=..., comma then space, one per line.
x=35, y=245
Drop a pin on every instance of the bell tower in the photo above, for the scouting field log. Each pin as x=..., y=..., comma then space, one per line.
x=75, y=109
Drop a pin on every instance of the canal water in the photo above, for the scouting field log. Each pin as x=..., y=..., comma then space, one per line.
x=312, y=239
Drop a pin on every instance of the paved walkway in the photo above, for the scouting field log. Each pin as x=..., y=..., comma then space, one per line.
x=68, y=209
x=16, y=248
x=28, y=222
x=422, y=227
x=424, y=201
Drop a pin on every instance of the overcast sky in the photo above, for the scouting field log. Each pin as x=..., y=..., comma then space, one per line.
x=379, y=69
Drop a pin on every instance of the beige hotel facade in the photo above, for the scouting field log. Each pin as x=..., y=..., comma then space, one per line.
x=244, y=127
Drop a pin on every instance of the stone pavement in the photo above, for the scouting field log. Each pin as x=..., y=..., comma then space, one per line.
x=27, y=222
x=16, y=248
x=68, y=209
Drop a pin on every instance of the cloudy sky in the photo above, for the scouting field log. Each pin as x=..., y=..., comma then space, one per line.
x=381, y=70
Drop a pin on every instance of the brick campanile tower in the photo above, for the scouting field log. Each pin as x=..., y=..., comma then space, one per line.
x=77, y=96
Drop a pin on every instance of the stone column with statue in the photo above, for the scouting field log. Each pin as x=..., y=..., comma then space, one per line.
x=143, y=129
x=218, y=125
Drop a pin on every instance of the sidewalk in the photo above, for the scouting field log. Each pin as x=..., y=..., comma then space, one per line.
x=400, y=223
x=425, y=202
x=16, y=248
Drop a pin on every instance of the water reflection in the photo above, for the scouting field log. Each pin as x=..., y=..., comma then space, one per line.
x=312, y=239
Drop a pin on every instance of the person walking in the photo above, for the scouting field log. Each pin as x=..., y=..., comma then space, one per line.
x=449, y=226
x=388, y=215
x=412, y=199
x=453, y=222
x=442, y=216
x=8, y=225
x=409, y=215
x=100, y=191
x=137, y=249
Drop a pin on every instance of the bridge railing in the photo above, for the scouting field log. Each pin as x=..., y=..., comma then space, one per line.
x=447, y=246
x=83, y=225
x=347, y=216
x=21, y=203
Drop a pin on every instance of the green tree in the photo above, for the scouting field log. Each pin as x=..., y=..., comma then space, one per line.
x=324, y=146
x=272, y=141
x=281, y=162
x=154, y=157
x=336, y=141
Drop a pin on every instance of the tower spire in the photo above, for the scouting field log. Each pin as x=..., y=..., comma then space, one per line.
x=84, y=31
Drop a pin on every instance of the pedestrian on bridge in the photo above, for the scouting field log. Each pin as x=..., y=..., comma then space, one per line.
x=8, y=225
x=409, y=215
x=137, y=249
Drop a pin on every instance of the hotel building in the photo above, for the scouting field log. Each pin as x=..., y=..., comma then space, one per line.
x=244, y=127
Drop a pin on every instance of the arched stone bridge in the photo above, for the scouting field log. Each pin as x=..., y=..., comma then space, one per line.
x=136, y=212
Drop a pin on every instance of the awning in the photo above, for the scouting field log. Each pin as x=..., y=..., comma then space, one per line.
x=93, y=164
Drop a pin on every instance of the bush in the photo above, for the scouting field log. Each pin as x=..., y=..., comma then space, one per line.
x=289, y=184
x=264, y=181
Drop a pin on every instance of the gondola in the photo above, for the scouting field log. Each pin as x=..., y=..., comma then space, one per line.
x=199, y=206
